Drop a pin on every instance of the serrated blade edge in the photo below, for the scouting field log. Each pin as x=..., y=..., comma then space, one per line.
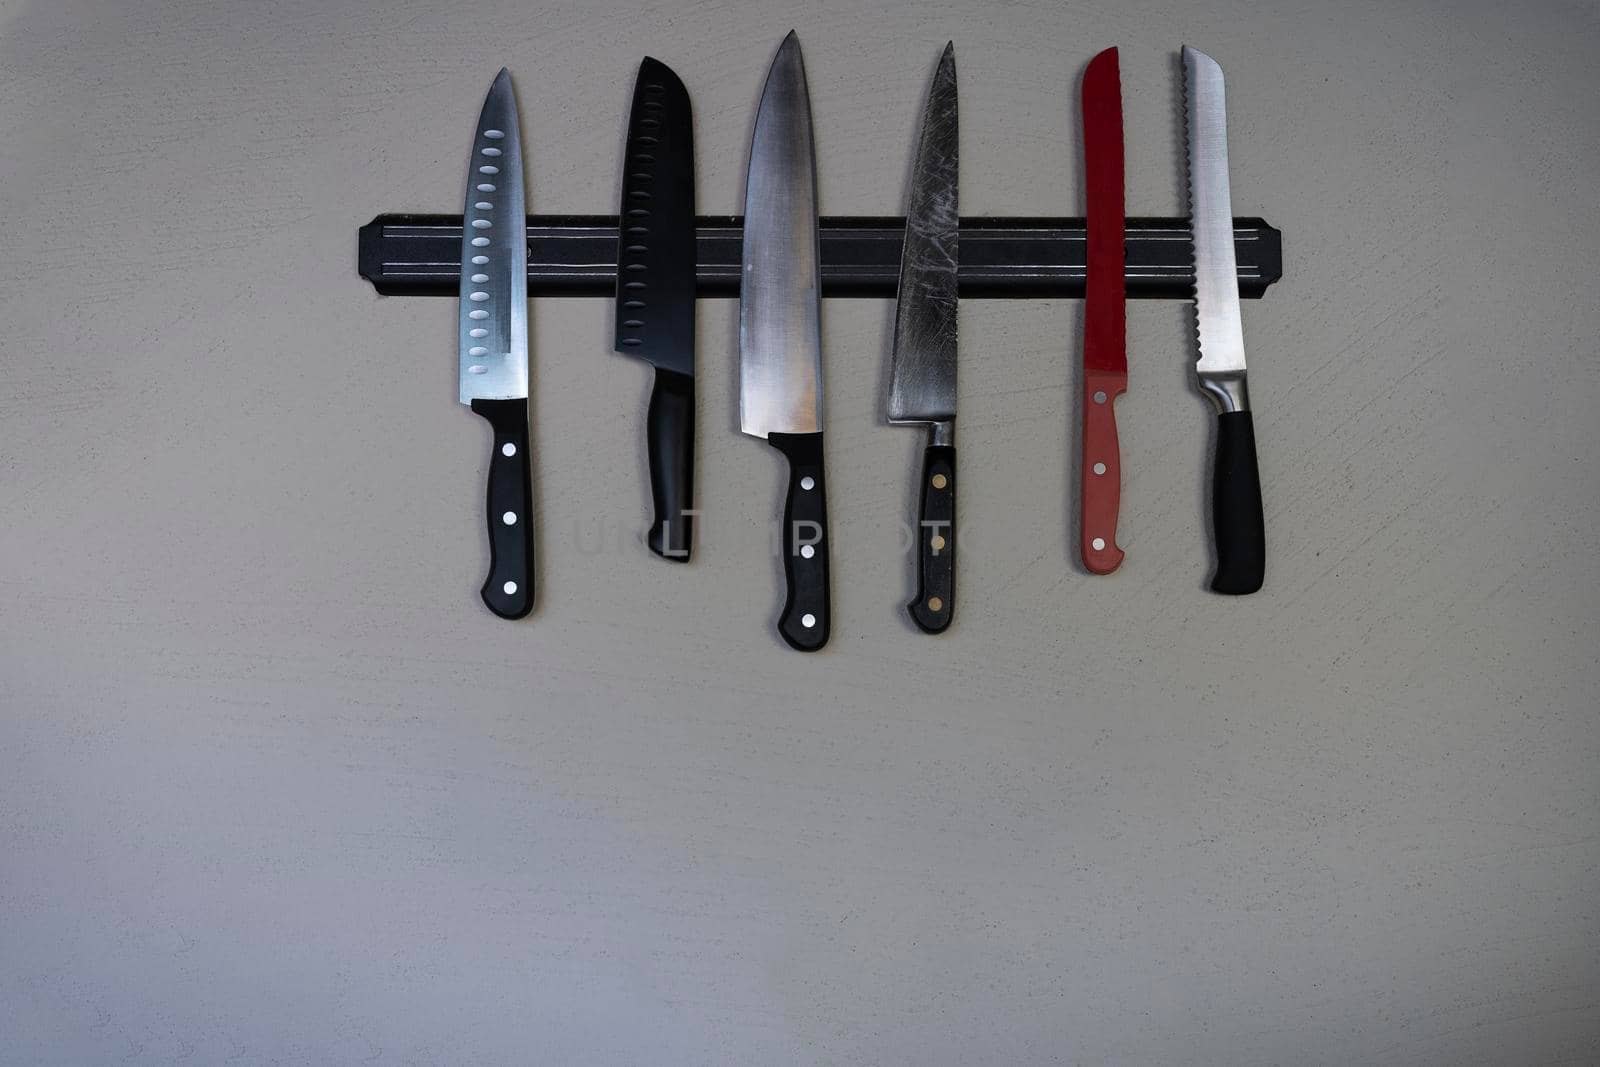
x=1216, y=291
x=1105, y=307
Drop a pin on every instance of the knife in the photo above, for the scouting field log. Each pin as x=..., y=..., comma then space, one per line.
x=780, y=335
x=656, y=291
x=1240, y=529
x=494, y=341
x=922, y=365
x=1105, y=352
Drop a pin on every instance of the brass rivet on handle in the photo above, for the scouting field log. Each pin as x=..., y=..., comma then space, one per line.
x=935, y=604
x=938, y=545
x=940, y=481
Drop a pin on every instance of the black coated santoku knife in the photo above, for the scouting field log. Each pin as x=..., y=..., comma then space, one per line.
x=656, y=292
x=494, y=341
x=1237, y=518
x=780, y=337
x=922, y=371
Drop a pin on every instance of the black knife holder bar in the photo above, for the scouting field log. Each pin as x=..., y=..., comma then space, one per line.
x=576, y=255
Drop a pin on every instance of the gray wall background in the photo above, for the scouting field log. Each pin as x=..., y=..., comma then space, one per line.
x=275, y=788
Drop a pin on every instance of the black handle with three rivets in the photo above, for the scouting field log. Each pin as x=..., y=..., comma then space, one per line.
x=804, y=548
x=935, y=605
x=508, y=591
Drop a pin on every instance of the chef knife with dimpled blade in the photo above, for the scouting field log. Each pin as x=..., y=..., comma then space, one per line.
x=656, y=292
x=780, y=334
x=922, y=364
x=1105, y=352
x=1237, y=519
x=494, y=341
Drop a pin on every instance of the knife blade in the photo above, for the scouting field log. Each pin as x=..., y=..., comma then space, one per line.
x=1105, y=352
x=1237, y=518
x=494, y=341
x=655, y=301
x=922, y=363
x=780, y=335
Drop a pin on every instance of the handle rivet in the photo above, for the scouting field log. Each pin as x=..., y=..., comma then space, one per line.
x=935, y=604
x=938, y=545
x=1099, y=468
x=940, y=481
x=510, y=588
x=509, y=518
x=508, y=449
x=808, y=483
x=808, y=620
x=807, y=551
x=1099, y=396
x=1098, y=543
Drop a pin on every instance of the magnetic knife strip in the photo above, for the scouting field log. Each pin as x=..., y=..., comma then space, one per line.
x=576, y=255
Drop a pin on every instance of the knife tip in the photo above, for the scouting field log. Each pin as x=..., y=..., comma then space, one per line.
x=1199, y=62
x=652, y=67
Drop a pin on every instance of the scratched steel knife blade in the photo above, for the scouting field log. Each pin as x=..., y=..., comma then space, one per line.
x=922, y=367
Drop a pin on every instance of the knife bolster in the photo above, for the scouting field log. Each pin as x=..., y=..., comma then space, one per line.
x=1226, y=391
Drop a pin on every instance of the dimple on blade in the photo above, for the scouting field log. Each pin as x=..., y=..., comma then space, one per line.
x=493, y=344
x=656, y=238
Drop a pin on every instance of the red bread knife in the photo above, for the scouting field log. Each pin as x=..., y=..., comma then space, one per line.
x=1105, y=352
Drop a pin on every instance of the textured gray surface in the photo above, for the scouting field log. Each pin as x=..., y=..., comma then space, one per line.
x=274, y=787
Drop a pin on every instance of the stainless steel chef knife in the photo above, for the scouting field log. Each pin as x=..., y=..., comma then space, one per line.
x=922, y=371
x=780, y=336
x=1239, y=527
x=655, y=292
x=494, y=341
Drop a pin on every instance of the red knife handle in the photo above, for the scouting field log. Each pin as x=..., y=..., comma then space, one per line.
x=1101, y=480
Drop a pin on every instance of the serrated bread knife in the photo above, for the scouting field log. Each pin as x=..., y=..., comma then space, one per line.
x=656, y=292
x=1237, y=520
x=922, y=364
x=494, y=341
x=780, y=336
x=1105, y=315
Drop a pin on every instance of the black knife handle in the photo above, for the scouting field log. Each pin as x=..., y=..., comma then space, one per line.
x=804, y=622
x=1236, y=515
x=935, y=605
x=669, y=430
x=509, y=588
